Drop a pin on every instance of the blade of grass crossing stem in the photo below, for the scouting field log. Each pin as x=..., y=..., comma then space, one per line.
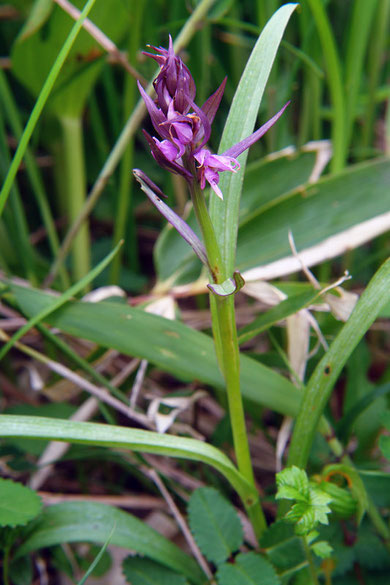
x=240, y=123
x=321, y=383
x=41, y=101
x=127, y=438
x=59, y=301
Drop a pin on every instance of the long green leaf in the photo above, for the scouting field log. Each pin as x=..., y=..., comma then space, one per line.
x=239, y=125
x=93, y=522
x=327, y=371
x=125, y=438
x=57, y=302
x=170, y=345
x=266, y=181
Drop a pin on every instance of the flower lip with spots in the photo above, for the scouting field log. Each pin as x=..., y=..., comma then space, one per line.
x=185, y=127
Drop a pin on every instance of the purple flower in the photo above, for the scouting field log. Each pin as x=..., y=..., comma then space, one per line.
x=185, y=128
x=209, y=167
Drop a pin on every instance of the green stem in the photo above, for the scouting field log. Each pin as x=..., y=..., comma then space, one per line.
x=76, y=191
x=208, y=233
x=227, y=349
x=310, y=562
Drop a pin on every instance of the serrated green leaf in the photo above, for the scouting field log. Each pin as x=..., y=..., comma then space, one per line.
x=288, y=492
x=322, y=549
x=295, y=478
x=248, y=569
x=312, y=507
x=18, y=503
x=214, y=524
x=283, y=547
x=93, y=522
x=139, y=571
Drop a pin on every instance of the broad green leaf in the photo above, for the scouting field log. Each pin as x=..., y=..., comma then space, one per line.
x=126, y=438
x=248, y=569
x=214, y=524
x=265, y=181
x=139, y=571
x=384, y=441
x=40, y=12
x=92, y=522
x=170, y=345
x=351, y=208
x=283, y=547
x=21, y=571
x=33, y=55
x=18, y=503
x=58, y=302
x=240, y=123
x=327, y=208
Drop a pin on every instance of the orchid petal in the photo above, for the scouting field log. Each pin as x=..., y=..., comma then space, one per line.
x=156, y=115
x=161, y=157
x=239, y=148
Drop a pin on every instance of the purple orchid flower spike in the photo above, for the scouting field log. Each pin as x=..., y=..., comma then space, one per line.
x=185, y=128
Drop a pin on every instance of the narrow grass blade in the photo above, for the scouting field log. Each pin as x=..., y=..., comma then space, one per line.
x=321, y=383
x=41, y=101
x=125, y=438
x=97, y=558
x=61, y=300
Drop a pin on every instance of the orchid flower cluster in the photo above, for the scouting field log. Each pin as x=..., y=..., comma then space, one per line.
x=185, y=128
